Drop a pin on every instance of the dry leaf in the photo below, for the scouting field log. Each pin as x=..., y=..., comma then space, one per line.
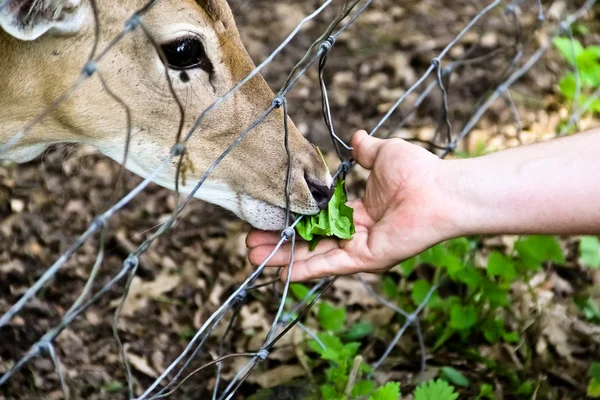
x=277, y=376
x=141, y=365
x=556, y=327
x=141, y=292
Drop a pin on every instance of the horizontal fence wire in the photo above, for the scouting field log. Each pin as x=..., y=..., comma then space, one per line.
x=171, y=379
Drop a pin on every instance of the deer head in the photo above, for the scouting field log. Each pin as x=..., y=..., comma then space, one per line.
x=44, y=45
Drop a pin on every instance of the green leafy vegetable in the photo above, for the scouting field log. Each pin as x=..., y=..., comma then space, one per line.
x=335, y=220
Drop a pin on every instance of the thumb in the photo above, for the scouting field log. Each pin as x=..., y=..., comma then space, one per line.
x=366, y=149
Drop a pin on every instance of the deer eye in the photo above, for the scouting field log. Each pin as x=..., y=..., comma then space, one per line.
x=187, y=53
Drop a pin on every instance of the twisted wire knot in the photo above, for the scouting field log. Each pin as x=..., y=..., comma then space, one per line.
x=132, y=23
x=241, y=296
x=327, y=44
x=288, y=233
x=131, y=262
x=278, y=101
x=262, y=355
x=90, y=68
x=99, y=222
x=411, y=318
x=178, y=149
x=345, y=166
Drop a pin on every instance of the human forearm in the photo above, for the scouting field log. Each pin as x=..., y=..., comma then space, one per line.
x=547, y=188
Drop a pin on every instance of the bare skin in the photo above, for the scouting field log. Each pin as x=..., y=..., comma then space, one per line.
x=413, y=201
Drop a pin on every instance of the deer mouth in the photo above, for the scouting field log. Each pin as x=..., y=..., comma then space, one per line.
x=266, y=216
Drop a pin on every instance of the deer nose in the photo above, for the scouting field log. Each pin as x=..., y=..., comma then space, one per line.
x=320, y=192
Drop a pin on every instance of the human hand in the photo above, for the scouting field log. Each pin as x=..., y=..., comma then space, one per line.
x=405, y=210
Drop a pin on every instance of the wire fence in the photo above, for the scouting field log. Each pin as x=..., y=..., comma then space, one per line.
x=444, y=143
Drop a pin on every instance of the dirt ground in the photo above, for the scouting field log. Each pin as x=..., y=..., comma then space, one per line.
x=185, y=275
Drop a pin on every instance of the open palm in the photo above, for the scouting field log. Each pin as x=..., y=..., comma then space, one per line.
x=402, y=213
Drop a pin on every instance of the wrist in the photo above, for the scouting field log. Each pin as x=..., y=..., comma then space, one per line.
x=460, y=207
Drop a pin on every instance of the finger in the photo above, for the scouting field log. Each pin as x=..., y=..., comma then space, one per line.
x=282, y=258
x=333, y=262
x=258, y=238
x=344, y=260
x=366, y=149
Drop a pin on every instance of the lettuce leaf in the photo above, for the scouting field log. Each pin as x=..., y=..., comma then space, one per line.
x=334, y=221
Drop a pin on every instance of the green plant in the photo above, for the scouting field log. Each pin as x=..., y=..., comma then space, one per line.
x=476, y=308
x=483, y=289
x=586, y=79
x=435, y=390
x=347, y=375
x=589, y=250
x=593, y=389
x=343, y=378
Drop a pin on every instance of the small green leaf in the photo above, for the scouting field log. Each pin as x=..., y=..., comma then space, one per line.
x=580, y=29
x=331, y=318
x=568, y=48
x=461, y=247
x=350, y=350
x=589, y=69
x=593, y=389
x=112, y=387
x=463, y=317
x=363, y=388
x=329, y=393
x=441, y=257
x=446, y=334
x=390, y=288
x=359, y=331
x=333, y=347
x=420, y=290
x=498, y=265
x=589, y=248
x=435, y=390
x=486, y=392
x=493, y=329
x=525, y=389
x=454, y=376
x=391, y=391
x=534, y=250
x=470, y=276
x=568, y=86
x=594, y=371
x=511, y=337
x=589, y=308
x=300, y=291
x=594, y=105
x=407, y=267
x=496, y=295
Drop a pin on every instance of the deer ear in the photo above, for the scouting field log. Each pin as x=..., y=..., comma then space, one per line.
x=30, y=19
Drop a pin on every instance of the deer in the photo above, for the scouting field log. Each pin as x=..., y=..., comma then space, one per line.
x=43, y=41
